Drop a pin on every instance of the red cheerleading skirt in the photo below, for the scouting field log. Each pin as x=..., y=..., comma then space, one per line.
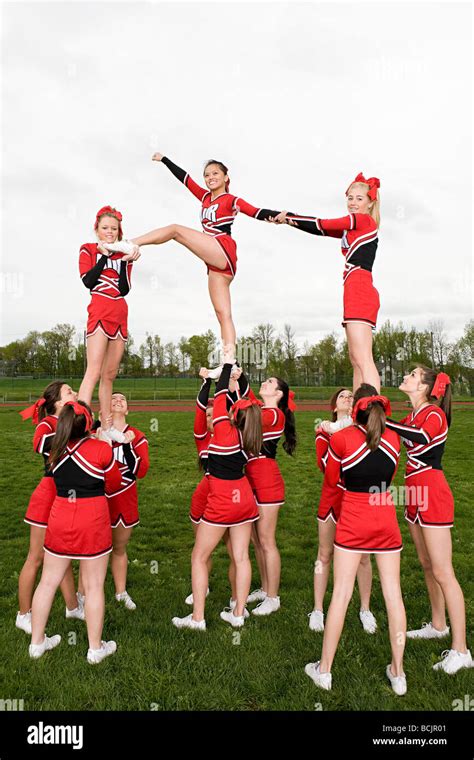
x=199, y=500
x=123, y=508
x=368, y=524
x=40, y=503
x=79, y=529
x=109, y=316
x=230, y=503
x=330, y=503
x=229, y=248
x=266, y=482
x=429, y=500
x=361, y=299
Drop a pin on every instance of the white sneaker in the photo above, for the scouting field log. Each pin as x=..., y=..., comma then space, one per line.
x=316, y=620
x=190, y=599
x=77, y=612
x=115, y=435
x=23, y=622
x=270, y=604
x=94, y=656
x=236, y=621
x=188, y=622
x=103, y=435
x=368, y=621
x=257, y=596
x=124, y=597
x=399, y=683
x=215, y=373
x=232, y=603
x=427, y=632
x=452, y=661
x=323, y=680
x=120, y=246
x=38, y=650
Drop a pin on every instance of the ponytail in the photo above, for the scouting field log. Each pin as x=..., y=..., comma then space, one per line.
x=290, y=441
x=373, y=418
x=70, y=426
x=249, y=422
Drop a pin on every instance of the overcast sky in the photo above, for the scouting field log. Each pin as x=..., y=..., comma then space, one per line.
x=296, y=98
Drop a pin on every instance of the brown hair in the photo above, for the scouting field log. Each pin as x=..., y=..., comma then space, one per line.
x=222, y=167
x=51, y=394
x=249, y=422
x=373, y=418
x=428, y=377
x=290, y=441
x=70, y=427
x=333, y=402
x=113, y=213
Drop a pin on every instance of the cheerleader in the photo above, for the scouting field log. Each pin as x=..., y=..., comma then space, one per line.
x=44, y=414
x=230, y=503
x=219, y=209
x=366, y=456
x=108, y=277
x=429, y=509
x=78, y=528
x=133, y=461
x=328, y=513
x=359, y=233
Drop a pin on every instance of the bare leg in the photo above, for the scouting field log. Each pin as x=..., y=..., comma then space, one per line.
x=207, y=538
x=266, y=530
x=68, y=588
x=322, y=568
x=389, y=572
x=219, y=290
x=364, y=581
x=240, y=540
x=52, y=575
x=345, y=571
x=435, y=593
x=359, y=342
x=209, y=561
x=108, y=374
x=93, y=578
x=29, y=572
x=260, y=557
x=232, y=568
x=96, y=350
x=119, y=558
x=205, y=247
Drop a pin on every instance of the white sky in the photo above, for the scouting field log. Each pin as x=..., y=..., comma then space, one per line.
x=295, y=97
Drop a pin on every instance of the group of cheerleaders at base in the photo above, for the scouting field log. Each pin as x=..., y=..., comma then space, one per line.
x=230, y=509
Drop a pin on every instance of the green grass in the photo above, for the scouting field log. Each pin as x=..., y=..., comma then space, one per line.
x=260, y=668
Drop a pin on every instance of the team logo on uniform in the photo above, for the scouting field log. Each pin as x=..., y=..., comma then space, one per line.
x=210, y=213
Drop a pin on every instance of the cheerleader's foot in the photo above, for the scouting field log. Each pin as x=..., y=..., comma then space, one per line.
x=23, y=622
x=94, y=656
x=38, y=650
x=121, y=246
x=124, y=597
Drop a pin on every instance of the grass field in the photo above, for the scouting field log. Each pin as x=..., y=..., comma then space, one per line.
x=262, y=667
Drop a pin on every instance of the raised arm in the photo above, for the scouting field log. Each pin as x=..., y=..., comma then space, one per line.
x=330, y=227
x=200, y=421
x=263, y=214
x=431, y=428
x=193, y=187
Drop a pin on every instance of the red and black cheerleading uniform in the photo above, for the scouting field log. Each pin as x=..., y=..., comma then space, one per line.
x=428, y=497
x=202, y=437
x=109, y=280
x=79, y=523
x=218, y=214
x=230, y=501
x=367, y=522
x=44, y=494
x=331, y=498
x=133, y=462
x=359, y=240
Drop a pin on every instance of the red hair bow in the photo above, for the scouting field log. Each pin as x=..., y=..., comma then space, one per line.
x=79, y=409
x=363, y=403
x=372, y=182
x=439, y=388
x=33, y=410
x=291, y=403
x=244, y=403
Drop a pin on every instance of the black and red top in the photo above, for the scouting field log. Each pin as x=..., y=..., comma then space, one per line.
x=105, y=276
x=202, y=436
x=87, y=468
x=43, y=438
x=132, y=458
x=424, y=434
x=226, y=455
x=362, y=469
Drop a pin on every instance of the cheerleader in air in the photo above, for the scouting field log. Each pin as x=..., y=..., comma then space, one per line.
x=230, y=503
x=133, y=462
x=429, y=509
x=359, y=239
x=366, y=456
x=329, y=511
x=214, y=245
x=108, y=277
x=44, y=414
x=83, y=469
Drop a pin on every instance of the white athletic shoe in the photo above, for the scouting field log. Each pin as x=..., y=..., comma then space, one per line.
x=94, y=656
x=120, y=246
x=215, y=373
x=103, y=435
x=399, y=683
x=452, y=661
x=236, y=621
x=23, y=622
x=368, y=621
x=323, y=680
x=316, y=620
x=125, y=597
x=427, y=632
x=77, y=612
x=257, y=596
x=270, y=604
x=232, y=603
x=190, y=599
x=38, y=650
x=115, y=435
x=188, y=622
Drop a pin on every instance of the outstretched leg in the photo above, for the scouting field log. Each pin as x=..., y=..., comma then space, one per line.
x=359, y=343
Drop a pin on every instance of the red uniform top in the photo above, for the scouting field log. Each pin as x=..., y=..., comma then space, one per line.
x=361, y=468
x=226, y=456
x=273, y=427
x=202, y=436
x=43, y=438
x=86, y=469
x=359, y=235
x=424, y=434
x=322, y=448
x=105, y=276
x=217, y=214
x=132, y=458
